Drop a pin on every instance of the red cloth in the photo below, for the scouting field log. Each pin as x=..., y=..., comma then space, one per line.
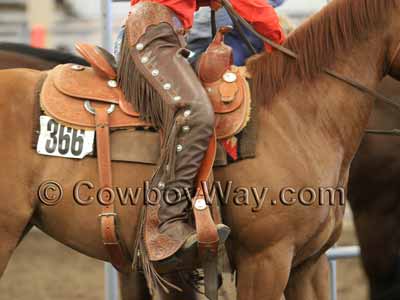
x=257, y=12
x=231, y=147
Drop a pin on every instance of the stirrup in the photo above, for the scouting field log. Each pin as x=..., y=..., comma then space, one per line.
x=187, y=257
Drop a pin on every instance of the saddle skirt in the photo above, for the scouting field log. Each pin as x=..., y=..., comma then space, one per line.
x=72, y=92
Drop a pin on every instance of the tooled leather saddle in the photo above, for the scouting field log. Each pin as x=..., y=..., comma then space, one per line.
x=68, y=85
x=89, y=97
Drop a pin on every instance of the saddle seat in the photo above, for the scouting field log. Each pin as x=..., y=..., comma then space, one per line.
x=71, y=92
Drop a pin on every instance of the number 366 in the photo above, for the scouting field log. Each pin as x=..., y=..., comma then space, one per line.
x=66, y=139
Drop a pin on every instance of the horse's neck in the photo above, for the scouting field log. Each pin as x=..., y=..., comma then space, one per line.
x=327, y=113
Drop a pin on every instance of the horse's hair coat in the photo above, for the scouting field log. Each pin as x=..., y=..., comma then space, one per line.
x=318, y=43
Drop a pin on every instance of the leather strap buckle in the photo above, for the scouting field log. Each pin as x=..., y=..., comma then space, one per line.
x=107, y=215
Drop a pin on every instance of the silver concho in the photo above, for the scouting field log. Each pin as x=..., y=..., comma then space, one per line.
x=177, y=98
x=112, y=83
x=186, y=129
x=77, y=67
x=230, y=77
x=139, y=47
x=167, y=86
x=200, y=204
x=144, y=60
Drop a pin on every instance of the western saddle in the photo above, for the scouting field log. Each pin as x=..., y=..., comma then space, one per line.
x=89, y=97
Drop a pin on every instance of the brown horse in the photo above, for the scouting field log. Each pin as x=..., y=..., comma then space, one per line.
x=13, y=55
x=374, y=198
x=309, y=133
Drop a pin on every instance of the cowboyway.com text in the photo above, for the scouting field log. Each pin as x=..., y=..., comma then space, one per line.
x=85, y=193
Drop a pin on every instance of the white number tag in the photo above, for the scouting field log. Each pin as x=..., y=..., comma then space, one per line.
x=59, y=140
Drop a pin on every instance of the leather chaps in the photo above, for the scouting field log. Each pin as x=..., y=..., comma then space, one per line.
x=158, y=80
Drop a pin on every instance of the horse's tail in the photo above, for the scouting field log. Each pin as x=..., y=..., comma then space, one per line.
x=58, y=57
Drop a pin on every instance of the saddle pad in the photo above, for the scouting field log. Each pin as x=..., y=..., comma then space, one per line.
x=70, y=110
x=143, y=146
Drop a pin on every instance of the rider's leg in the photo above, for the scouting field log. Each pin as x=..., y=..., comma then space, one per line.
x=158, y=80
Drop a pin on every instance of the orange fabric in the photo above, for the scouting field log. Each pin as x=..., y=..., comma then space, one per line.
x=257, y=12
x=38, y=36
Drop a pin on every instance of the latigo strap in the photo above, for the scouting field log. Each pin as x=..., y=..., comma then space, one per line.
x=108, y=216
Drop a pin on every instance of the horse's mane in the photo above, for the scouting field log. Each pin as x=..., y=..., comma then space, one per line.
x=55, y=56
x=318, y=43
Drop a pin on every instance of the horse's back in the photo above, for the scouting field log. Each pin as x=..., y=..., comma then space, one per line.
x=18, y=72
x=18, y=94
x=17, y=86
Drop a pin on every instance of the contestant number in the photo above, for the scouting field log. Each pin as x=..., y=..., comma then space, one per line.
x=58, y=140
x=64, y=139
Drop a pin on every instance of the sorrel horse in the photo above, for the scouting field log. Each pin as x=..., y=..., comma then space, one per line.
x=13, y=55
x=309, y=133
x=374, y=198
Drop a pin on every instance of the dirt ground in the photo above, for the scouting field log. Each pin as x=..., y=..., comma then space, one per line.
x=44, y=269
